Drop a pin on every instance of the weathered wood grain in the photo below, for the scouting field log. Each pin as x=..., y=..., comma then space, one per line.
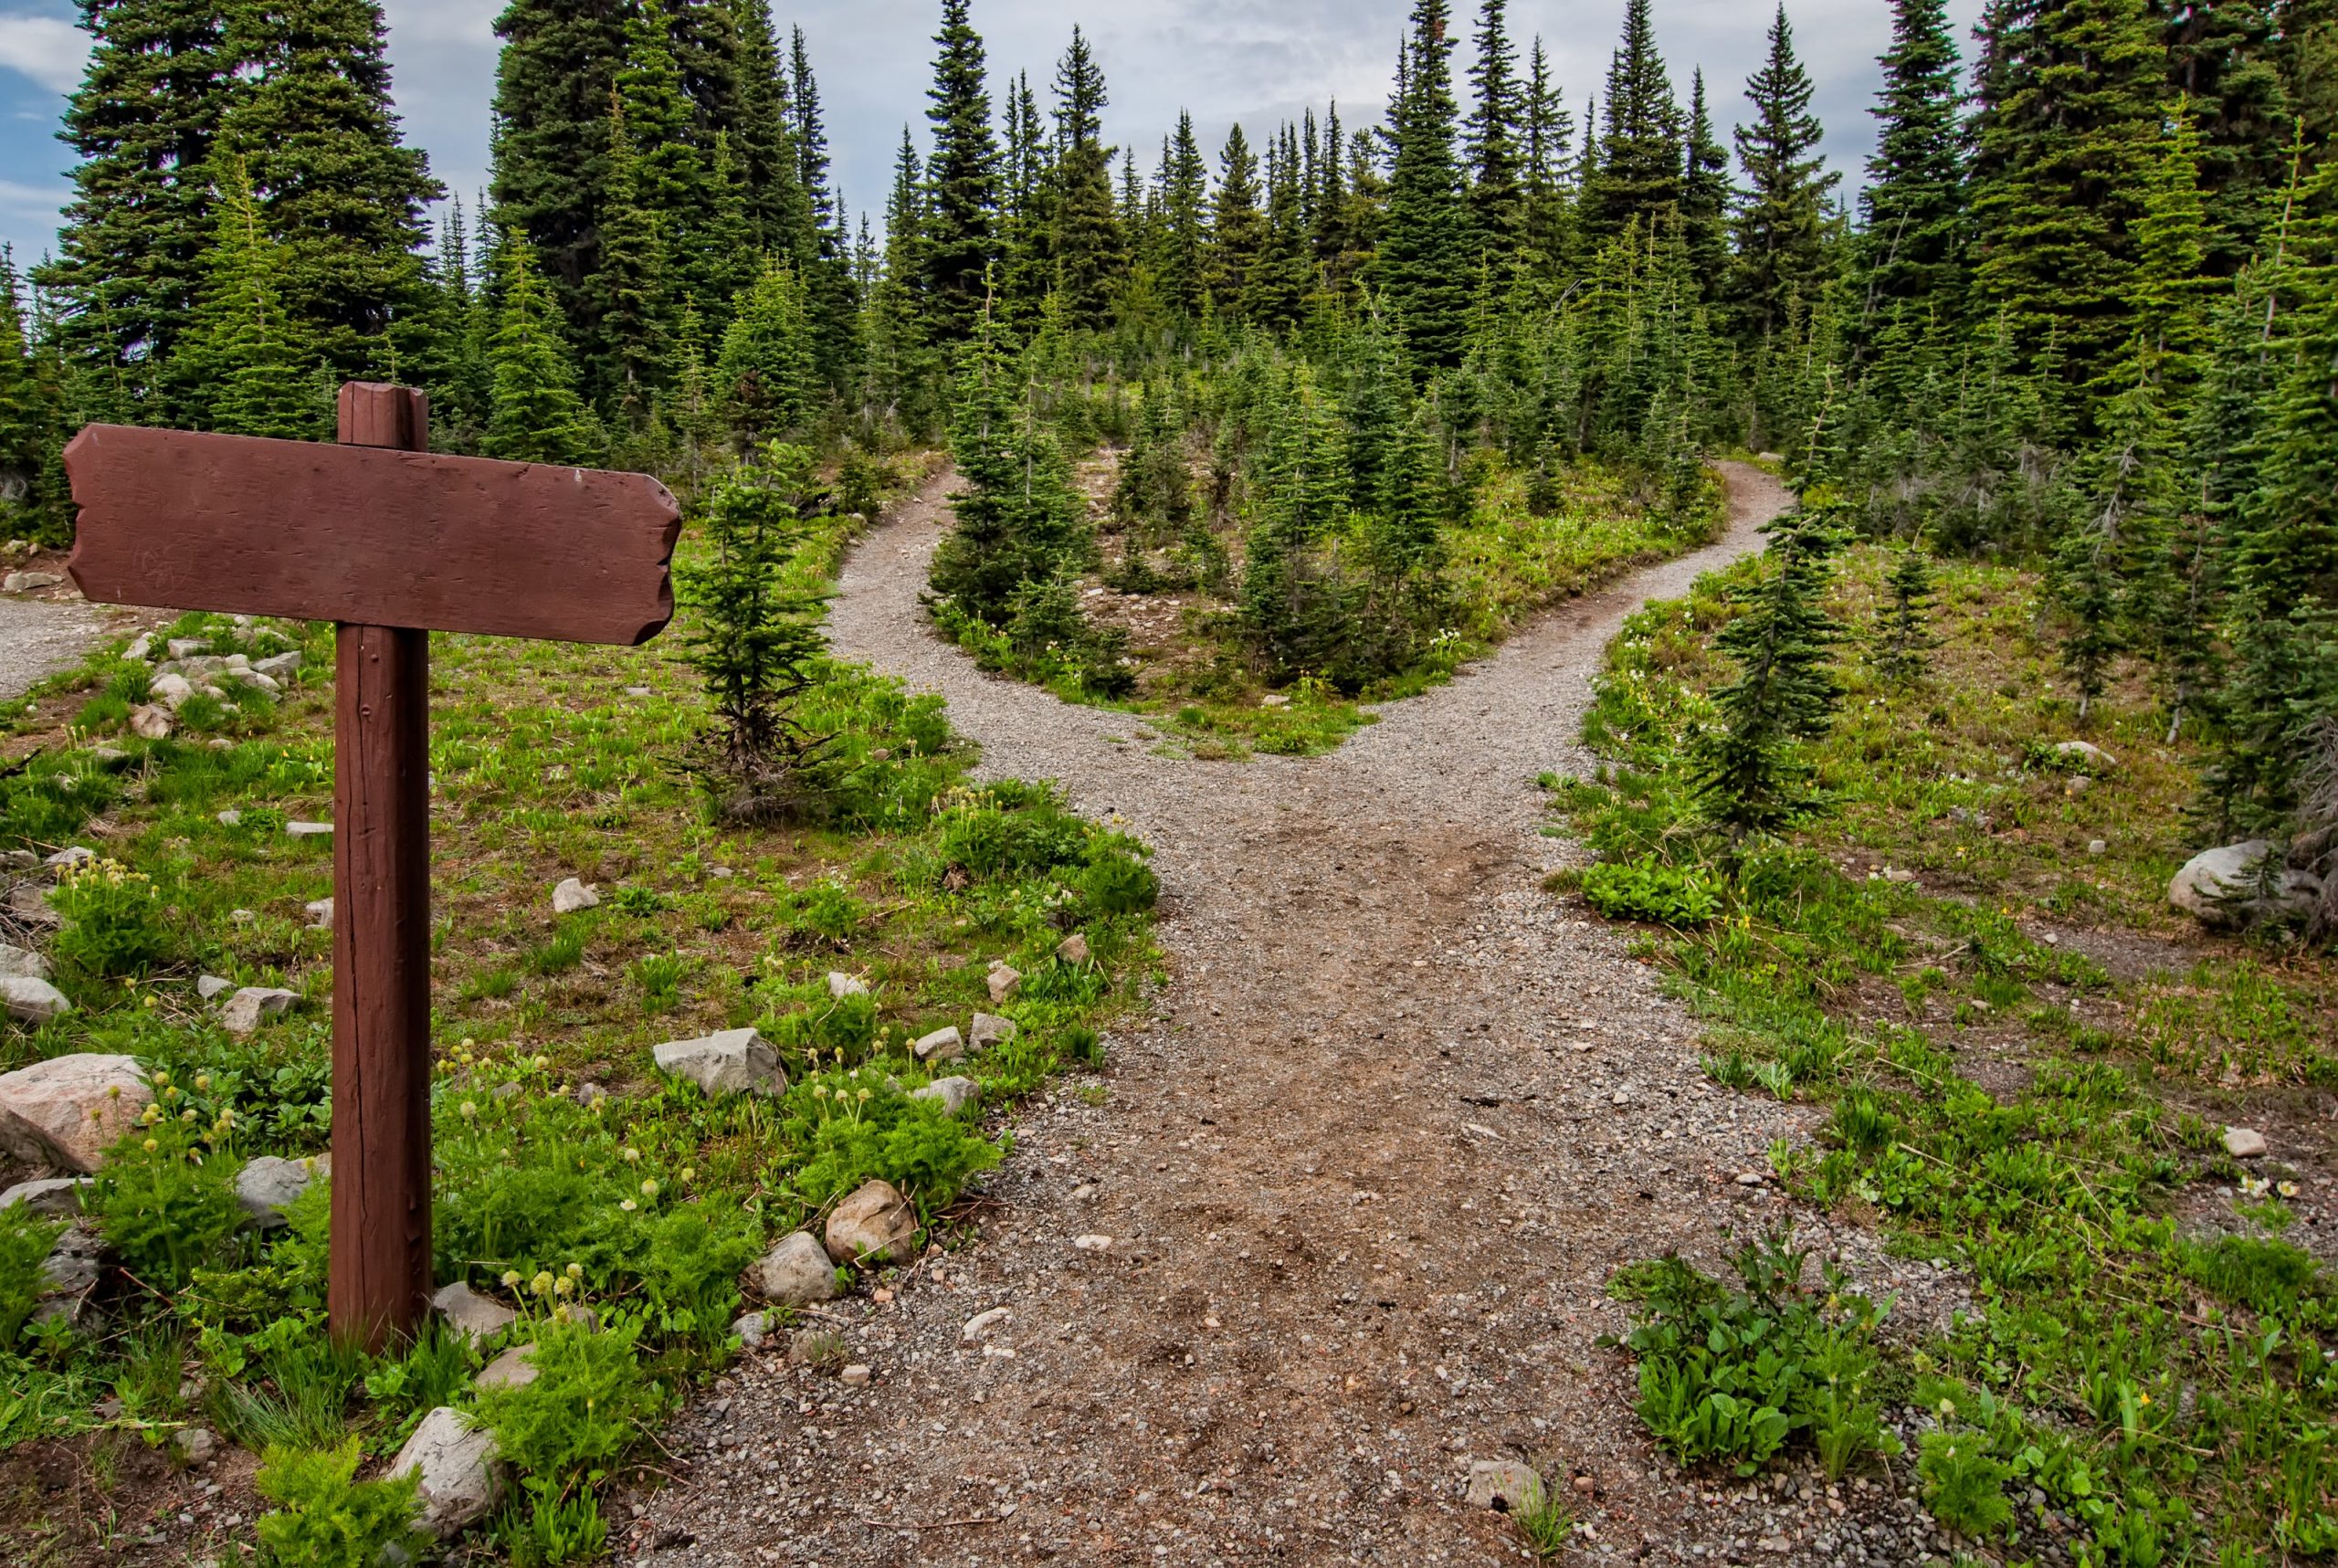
x=378, y=1285
x=369, y=535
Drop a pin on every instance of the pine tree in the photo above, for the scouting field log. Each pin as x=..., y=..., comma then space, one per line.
x=767, y=368
x=553, y=87
x=1638, y=167
x=143, y=125
x=1705, y=194
x=1548, y=166
x=538, y=417
x=1496, y=192
x=342, y=196
x=1423, y=263
x=31, y=425
x=1018, y=521
x=831, y=299
x=1237, y=234
x=1782, y=220
x=1279, y=285
x=2224, y=59
x=251, y=367
x=2172, y=240
x=779, y=211
x=1090, y=252
x=1910, y=254
x=958, y=241
x=636, y=306
x=1903, y=632
x=1752, y=775
x=2072, y=107
x=1182, y=242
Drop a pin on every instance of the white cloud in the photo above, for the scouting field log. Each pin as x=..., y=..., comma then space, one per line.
x=50, y=51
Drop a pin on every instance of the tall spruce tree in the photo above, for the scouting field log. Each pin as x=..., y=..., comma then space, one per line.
x=252, y=367
x=31, y=424
x=2224, y=59
x=1705, y=194
x=538, y=417
x=777, y=205
x=1911, y=250
x=1090, y=250
x=824, y=260
x=1550, y=169
x=2073, y=103
x=633, y=285
x=1781, y=222
x=958, y=239
x=1640, y=166
x=1423, y=263
x=1497, y=188
x=132, y=250
x=1754, y=774
x=1181, y=239
x=1237, y=230
x=551, y=129
x=767, y=368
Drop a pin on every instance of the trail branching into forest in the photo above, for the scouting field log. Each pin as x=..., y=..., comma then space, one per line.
x=1364, y=1173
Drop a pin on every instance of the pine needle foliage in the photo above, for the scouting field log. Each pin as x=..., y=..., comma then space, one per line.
x=1752, y=777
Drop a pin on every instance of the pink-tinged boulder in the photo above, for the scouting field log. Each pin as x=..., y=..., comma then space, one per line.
x=68, y=1111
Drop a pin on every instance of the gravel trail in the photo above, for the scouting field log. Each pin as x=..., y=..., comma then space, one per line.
x=38, y=638
x=1397, y=1117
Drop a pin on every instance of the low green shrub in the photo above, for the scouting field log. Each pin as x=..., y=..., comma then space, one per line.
x=589, y=1401
x=1647, y=889
x=854, y=1128
x=166, y=1198
x=1964, y=1482
x=113, y=919
x=25, y=1242
x=329, y=1519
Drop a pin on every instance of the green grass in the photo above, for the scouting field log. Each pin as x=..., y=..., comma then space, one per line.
x=547, y=766
x=2168, y=1387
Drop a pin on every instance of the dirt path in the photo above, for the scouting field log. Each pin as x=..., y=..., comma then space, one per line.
x=1365, y=1174
x=38, y=638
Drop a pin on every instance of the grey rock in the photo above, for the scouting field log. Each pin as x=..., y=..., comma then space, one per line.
x=572, y=895
x=282, y=667
x=20, y=860
x=857, y=1375
x=841, y=986
x=2085, y=754
x=171, y=690
x=989, y=1029
x=21, y=964
x=140, y=647
x=462, y=1478
x=946, y=1044
x=70, y=1272
x=253, y=1005
x=978, y=1327
x=476, y=1316
x=2097, y=845
x=1073, y=950
x=2244, y=1142
x=308, y=829
x=268, y=1186
x=2242, y=885
x=211, y=986
x=68, y=1111
x=1505, y=1485
x=797, y=1272
x=73, y=856
x=231, y=817
x=151, y=722
x=57, y=1197
x=34, y=1002
x=1006, y=980
x=194, y=1445
x=874, y=1224
x=955, y=1093
x=590, y=1094
x=28, y=903
x=512, y=1369
x=735, y=1061
x=752, y=1329
x=320, y=914
x=184, y=647
x=27, y=581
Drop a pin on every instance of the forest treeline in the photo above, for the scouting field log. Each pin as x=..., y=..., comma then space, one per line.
x=2083, y=309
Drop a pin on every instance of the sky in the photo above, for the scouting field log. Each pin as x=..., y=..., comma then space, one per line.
x=1257, y=63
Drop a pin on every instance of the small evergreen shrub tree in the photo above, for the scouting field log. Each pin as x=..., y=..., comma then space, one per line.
x=1751, y=774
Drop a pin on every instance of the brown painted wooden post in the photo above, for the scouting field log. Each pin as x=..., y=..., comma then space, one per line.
x=379, y=1287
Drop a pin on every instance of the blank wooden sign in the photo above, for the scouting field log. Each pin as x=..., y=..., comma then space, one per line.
x=369, y=535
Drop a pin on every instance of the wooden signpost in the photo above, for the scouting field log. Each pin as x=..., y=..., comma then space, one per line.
x=393, y=543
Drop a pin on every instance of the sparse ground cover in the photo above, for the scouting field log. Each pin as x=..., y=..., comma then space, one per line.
x=549, y=763
x=1171, y=611
x=2031, y=1062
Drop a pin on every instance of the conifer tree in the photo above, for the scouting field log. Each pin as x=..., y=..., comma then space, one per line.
x=958, y=239
x=1277, y=285
x=1705, y=194
x=1018, y=521
x=1238, y=228
x=2172, y=241
x=1181, y=240
x=634, y=306
x=31, y=425
x=1752, y=775
x=1782, y=220
x=1090, y=252
x=252, y=369
x=1423, y=254
x=1639, y=165
x=1496, y=192
x=552, y=86
x=1910, y=248
x=143, y=125
x=1549, y=165
x=2072, y=107
x=2224, y=60
x=342, y=196
x=767, y=367
x=1903, y=632
x=538, y=417
x=779, y=211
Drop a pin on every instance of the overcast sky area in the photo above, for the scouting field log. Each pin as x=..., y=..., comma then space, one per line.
x=1256, y=61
